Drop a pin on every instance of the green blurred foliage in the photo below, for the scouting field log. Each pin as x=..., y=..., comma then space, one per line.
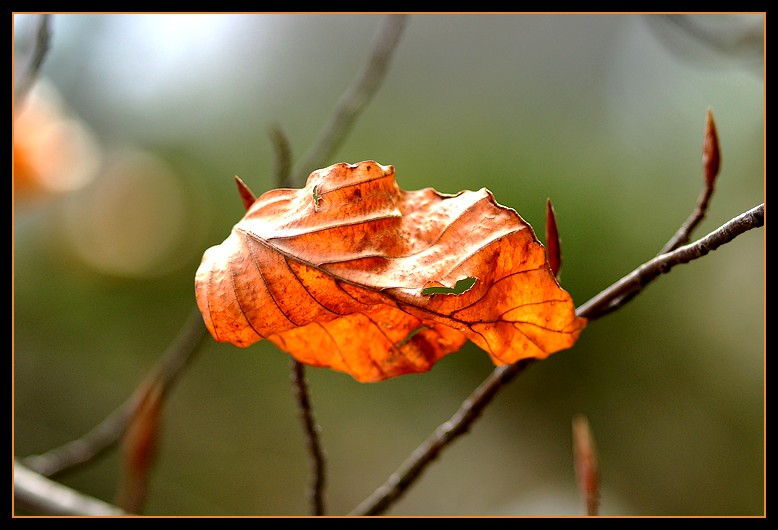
x=604, y=114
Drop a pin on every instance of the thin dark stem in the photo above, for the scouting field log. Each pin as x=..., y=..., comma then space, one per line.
x=34, y=60
x=354, y=99
x=108, y=432
x=316, y=456
x=460, y=422
x=683, y=234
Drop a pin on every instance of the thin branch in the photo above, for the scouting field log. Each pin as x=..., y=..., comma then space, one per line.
x=460, y=422
x=711, y=163
x=316, y=456
x=108, y=432
x=354, y=99
x=633, y=283
x=36, y=494
x=447, y=432
x=34, y=60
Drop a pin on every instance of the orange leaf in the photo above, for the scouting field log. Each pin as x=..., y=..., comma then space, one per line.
x=356, y=274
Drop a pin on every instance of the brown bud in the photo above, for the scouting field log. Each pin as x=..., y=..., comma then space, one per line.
x=711, y=156
x=553, y=248
x=246, y=194
x=586, y=465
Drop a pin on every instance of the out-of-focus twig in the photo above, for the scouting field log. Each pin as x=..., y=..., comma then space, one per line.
x=354, y=99
x=461, y=421
x=26, y=74
x=732, y=39
x=140, y=446
x=283, y=157
x=108, y=432
x=36, y=494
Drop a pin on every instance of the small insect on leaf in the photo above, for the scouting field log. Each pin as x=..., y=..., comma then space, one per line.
x=316, y=198
x=461, y=287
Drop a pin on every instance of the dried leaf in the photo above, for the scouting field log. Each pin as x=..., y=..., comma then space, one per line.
x=335, y=275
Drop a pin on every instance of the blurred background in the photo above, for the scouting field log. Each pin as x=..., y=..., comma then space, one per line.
x=125, y=153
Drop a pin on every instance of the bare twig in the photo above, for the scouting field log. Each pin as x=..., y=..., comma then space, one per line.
x=460, y=422
x=447, y=432
x=735, y=38
x=354, y=99
x=108, y=432
x=316, y=456
x=612, y=298
x=36, y=494
x=29, y=69
x=711, y=163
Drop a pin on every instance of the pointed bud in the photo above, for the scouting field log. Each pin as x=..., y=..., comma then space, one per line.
x=139, y=448
x=586, y=465
x=553, y=247
x=246, y=194
x=711, y=156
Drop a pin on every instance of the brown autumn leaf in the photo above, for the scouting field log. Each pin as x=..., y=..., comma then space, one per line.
x=356, y=274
